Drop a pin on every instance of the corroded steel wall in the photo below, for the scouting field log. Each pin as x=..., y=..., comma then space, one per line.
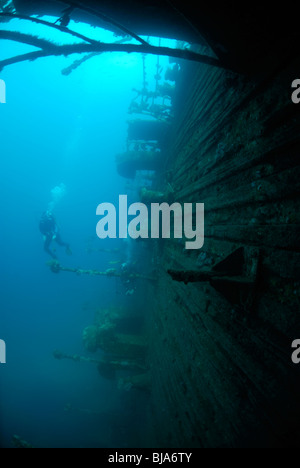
x=222, y=375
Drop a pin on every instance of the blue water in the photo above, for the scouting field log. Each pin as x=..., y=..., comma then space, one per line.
x=56, y=129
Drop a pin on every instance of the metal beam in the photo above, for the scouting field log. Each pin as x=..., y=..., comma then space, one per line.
x=101, y=48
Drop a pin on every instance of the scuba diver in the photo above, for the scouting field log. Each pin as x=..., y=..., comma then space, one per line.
x=50, y=231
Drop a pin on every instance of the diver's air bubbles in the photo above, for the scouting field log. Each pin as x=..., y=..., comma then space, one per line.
x=57, y=195
x=2, y=92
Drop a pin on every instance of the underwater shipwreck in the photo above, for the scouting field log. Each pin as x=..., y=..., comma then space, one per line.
x=202, y=354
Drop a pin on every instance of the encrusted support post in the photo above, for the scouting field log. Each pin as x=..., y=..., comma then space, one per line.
x=235, y=277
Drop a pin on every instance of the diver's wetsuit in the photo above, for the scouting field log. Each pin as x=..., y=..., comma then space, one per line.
x=49, y=229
